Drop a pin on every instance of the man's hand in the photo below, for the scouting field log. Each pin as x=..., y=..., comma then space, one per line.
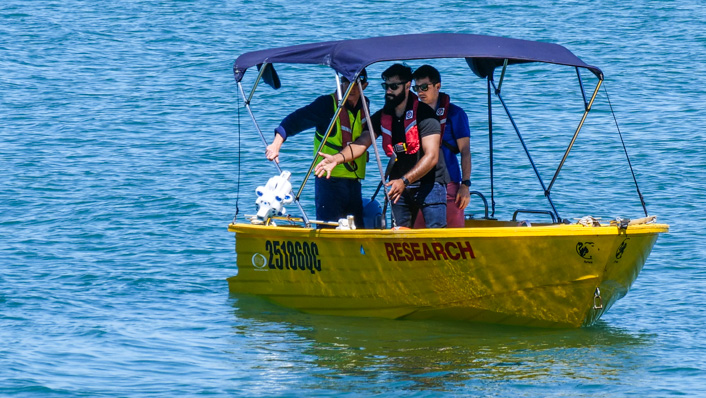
x=272, y=150
x=326, y=166
x=463, y=196
x=396, y=189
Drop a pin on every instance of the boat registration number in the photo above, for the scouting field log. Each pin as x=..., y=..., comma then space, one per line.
x=293, y=255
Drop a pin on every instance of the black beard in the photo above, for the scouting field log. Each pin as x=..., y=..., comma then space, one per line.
x=391, y=102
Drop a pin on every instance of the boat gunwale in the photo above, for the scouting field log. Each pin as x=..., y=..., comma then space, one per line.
x=553, y=230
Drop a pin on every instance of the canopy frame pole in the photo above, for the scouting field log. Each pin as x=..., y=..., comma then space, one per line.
x=573, y=140
x=338, y=86
x=336, y=114
x=583, y=91
x=264, y=141
x=522, y=141
x=257, y=81
x=377, y=154
x=490, y=146
x=502, y=76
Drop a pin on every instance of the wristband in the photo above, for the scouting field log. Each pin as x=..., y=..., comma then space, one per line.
x=405, y=181
x=466, y=183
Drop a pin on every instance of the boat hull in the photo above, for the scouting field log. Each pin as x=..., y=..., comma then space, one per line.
x=543, y=276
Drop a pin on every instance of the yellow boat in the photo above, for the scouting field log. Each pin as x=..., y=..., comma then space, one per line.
x=557, y=274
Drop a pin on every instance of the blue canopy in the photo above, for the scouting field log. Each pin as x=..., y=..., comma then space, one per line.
x=348, y=57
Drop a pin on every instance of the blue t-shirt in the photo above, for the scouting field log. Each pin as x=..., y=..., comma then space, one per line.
x=456, y=127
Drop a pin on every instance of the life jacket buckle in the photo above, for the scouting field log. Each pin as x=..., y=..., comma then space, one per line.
x=400, y=147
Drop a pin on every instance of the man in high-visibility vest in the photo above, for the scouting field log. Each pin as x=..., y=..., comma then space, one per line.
x=338, y=196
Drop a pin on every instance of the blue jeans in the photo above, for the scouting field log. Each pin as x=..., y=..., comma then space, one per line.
x=429, y=198
x=337, y=198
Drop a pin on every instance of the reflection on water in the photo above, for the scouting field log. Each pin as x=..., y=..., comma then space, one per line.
x=425, y=355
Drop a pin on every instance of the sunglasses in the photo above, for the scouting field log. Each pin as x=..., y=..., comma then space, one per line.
x=392, y=86
x=422, y=87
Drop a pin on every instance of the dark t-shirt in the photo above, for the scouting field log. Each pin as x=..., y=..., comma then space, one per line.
x=427, y=124
x=318, y=114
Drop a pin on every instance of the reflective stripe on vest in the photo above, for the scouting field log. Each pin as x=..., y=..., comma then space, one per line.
x=348, y=128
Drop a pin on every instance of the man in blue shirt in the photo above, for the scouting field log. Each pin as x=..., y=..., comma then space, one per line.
x=455, y=139
x=339, y=196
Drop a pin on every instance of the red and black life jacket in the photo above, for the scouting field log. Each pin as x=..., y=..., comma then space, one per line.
x=442, y=112
x=411, y=132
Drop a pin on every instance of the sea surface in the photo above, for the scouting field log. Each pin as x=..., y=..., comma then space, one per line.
x=124, y=150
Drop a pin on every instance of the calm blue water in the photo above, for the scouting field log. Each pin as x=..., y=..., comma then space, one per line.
x=119, y=155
